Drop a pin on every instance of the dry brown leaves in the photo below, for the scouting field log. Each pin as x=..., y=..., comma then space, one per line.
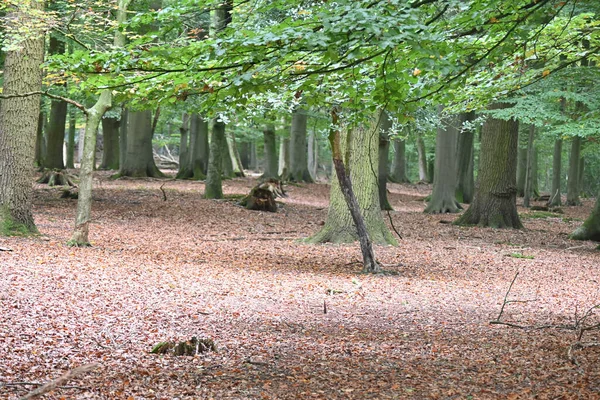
x=168, y=270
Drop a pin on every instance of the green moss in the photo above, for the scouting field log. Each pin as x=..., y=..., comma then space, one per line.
x=10, y=227
x=520, y=255
x=539, y=215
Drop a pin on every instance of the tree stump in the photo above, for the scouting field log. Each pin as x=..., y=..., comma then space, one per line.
x=262, y=196
x=56, y=177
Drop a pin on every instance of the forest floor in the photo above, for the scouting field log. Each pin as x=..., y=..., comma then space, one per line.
x=292, y=320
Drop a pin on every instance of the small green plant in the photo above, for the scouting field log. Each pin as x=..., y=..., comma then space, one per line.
x=571, y=219
x=520, y=255
x=539, y=215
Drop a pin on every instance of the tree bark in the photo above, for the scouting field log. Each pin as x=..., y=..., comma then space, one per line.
x=590, y=230
x=443, y=198
x=573, y=178
x=139, y=159
x=361, y=148
x=284, y=157
x=494, y=204
x=555, y=199
x=384, y=149
x=110, y=153
x=18, y=126
x=298, y=148
x=270, y=162
x=39, y=141
x=58, y=117
x=238, y=169
x=313, y=155
x=184, y=146
x=213, y=186
x=199, y=149
x=398, y=171
x=422, y=155
x=71, y=139
x=521, y=170
x=465, y=186
x=529, y=167
x=226, y=161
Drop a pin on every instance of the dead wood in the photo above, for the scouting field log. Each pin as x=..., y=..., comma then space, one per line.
x=56, y=383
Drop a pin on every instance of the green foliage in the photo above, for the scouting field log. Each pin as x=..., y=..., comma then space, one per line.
x=520, y=255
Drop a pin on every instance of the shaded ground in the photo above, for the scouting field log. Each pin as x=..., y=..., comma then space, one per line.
x=168, y=270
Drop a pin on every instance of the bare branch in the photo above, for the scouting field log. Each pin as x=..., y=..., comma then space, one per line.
x=48, y=387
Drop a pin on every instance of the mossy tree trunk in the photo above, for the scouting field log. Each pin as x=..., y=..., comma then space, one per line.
x=270, y=163
x=465, y=185
x=385, y=127
x=443, y=198
x=213, y=186
x=555, y=200
x=19, y=124
x=590, y=230
x=139, y=159
x=55, y=137
x=573, y=178
x=360, y=166
x=494, y=204
x=110, y=153
x=298, y=147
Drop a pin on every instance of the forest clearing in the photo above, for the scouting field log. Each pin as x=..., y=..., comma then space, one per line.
x=291, y=320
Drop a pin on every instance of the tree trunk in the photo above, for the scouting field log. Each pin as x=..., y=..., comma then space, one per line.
x=253, y=163
x=313, y=155
x=298, y=148
x=529, y=167
x=238, y=169
x=270, y=171
x=139, y=160
x=184, y=146
x=590, y=230
x=521, y=171
x=58, y=117
x=213, y=186
x=361, y=163
x=199, y=149
x=494, y=204
x=284, y=157
x=398, y=172
x=580, y=172
x=71, y=139
x=110, y=153
x=18, y=126
x=245, y=154
x=385, y=126
x=443, y=198
x=39, y=141
x=422, y=154
x=122, y=136
x=573, y=178
x=226, y=161
x=465, y=186
x=555, y=200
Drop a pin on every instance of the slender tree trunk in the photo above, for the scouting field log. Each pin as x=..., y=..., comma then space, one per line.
x=284, y=157
x=384, y=149
x=213, y=186
x=521, y=171
x=360, y=147
x=71, y=139
x=184, y=146
x=422, y=161
x=494, y=204
x=270, y=153
x=555, y=199
x=465, y=186
x=573, y=178
x=590, y=230
x=443, y=198
x=122, y=136
x=253, y=163
x=58, y=117
x=298, y=148
x=139, y=158
x=226, y=161
x=580, y=171
x=236, y=162
x=529, y=167
x=18, y=126
x=110, y=153
x=535, y=188
x=39, y=141
x=313, y=155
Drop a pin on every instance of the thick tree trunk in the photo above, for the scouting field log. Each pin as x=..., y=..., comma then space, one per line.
x=110, y=153
x=270, y=162
x=398, y=171
x=494, y=204
x=213, y=186
x=422, y=154
x=384, y=150
x=298, y=148
x=58, y=117
x=199, y=149
x=443, y=198
x=590, y=230
x=465, y=185
x=529, y=167
x=284, y=157
x=18, y=126
x=555, y=199
x=184, y=146
x=71, y=139
x=139, y=160
x=573, y=178
x=340, y=226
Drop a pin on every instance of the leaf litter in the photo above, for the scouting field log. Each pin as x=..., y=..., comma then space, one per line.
x=289, y=320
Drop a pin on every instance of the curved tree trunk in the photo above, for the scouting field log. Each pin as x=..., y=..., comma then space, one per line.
x=18, y=126
x=443, y=198
x=555, y=200
x=384, y=150
x=363, y=160
x=139, y=160
x=494, y=204
x=573, y=179
x=465, y=185
x=590, y=230
x=213, y=186
x=298, y=148
x=110, y=153
x=270, y=162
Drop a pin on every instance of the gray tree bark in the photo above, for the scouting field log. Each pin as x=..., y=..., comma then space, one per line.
x=465, y=186
x=139, y=158
x=573, y=178
x=422, y=158
x=298, y=148
x=529, y=167
x=213, y=186
x=555, y=195
x=58, y=117
x=270, y=170
x=385, y=125
x=110, y=153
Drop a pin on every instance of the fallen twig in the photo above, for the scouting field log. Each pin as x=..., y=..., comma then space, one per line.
x=58, y=382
